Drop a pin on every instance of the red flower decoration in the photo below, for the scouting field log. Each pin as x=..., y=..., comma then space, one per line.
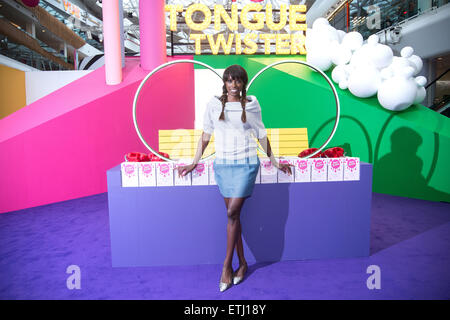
x=309, y=151
x=156, y=158
x=336, y=152
x=137, y=157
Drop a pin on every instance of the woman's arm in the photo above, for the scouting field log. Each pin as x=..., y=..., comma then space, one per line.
x=266, y=146
x=201, y=146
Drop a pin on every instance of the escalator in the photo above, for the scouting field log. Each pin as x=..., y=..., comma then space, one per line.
x=442, y=106
x=442, y=100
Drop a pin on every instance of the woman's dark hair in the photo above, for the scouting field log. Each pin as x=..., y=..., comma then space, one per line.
x=235, y=72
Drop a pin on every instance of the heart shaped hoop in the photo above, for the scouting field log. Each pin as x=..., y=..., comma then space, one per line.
x=136, y=96
x=338, y=108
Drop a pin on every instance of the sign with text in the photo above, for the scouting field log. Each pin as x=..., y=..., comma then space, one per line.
x=253, y=18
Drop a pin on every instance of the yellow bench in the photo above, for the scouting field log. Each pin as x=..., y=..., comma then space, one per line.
x=182, y=143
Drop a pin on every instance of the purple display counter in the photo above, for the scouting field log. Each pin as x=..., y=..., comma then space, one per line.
x=186, y=225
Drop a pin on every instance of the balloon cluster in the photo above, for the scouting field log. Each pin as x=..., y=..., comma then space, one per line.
x=366, y=69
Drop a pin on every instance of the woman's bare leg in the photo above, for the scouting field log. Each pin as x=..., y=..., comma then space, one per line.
x=239, y=246
x=233, y=235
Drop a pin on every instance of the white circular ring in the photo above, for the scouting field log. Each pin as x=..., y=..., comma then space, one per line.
x=136, y=96
x=338, y=109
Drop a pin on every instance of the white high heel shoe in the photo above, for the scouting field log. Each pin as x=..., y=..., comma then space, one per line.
x=224, y=286
x=237, y=280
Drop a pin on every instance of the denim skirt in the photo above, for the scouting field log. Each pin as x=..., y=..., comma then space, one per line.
x=236, y=178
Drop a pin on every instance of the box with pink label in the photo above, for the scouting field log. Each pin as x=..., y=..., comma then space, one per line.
x=351, y=168
x=182, y=180
x=286, y=177
x=211, y=178
x=164, y=173
x=269, y=172
x=303, y=170
x=147, y=174
x=200, y=174
x=258, y=176
x=130, y=175
x=319, y=169
x=335, y=169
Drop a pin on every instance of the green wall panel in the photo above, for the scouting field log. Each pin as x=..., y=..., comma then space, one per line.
x=410, y=150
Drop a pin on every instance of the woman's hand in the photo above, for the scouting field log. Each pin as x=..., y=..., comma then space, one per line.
x=184, y=170
x=285, y=167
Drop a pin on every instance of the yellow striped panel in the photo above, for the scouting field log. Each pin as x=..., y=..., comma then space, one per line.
x=287, y=131
x=182, y=143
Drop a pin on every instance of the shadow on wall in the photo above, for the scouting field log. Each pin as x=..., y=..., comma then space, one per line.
x=399, y=171
x=264, y=230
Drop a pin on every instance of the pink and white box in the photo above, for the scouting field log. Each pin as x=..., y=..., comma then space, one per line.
x=183, y=180
x=335, y=169
x=211, y=179
x=130, y=175
x=319, y=169
x=303, y=170
x=268, y=171
x=147, y=174
x=285, y=177
x=200, y=174
x=351, y=168
x=164, y=173
x=258, y=176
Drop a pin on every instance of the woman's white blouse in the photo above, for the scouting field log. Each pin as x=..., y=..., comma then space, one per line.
x=234, y=139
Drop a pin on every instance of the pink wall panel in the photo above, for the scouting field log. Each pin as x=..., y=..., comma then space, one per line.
x=67, y=157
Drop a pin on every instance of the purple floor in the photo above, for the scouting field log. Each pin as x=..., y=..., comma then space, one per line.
x=410, y=242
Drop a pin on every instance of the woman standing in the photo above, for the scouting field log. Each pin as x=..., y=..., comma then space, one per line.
x=234, y=118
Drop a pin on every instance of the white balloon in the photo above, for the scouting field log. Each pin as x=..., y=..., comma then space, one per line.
x=386, y=73
x=421, y=81
x=338, y=74
x=417, y=62
x=381, y=55
x=326, y=33
x=364, y=82
x=362, y=57
x=420, y=95
x=348, y=69
x=399, y=64
x=315, y=39
x=407, y=52
x=397, y=93
x=320, y=22
x=341, y=34
x=320, y=58
x=352, y=40
x=343, y=84
x=373, y=39
x=340, y=54
x=408, y=72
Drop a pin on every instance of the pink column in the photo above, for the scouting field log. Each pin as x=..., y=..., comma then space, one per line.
x=152, y=30
x=111, y=40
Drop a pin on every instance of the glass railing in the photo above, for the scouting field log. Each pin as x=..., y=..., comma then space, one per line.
x=379, y=15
